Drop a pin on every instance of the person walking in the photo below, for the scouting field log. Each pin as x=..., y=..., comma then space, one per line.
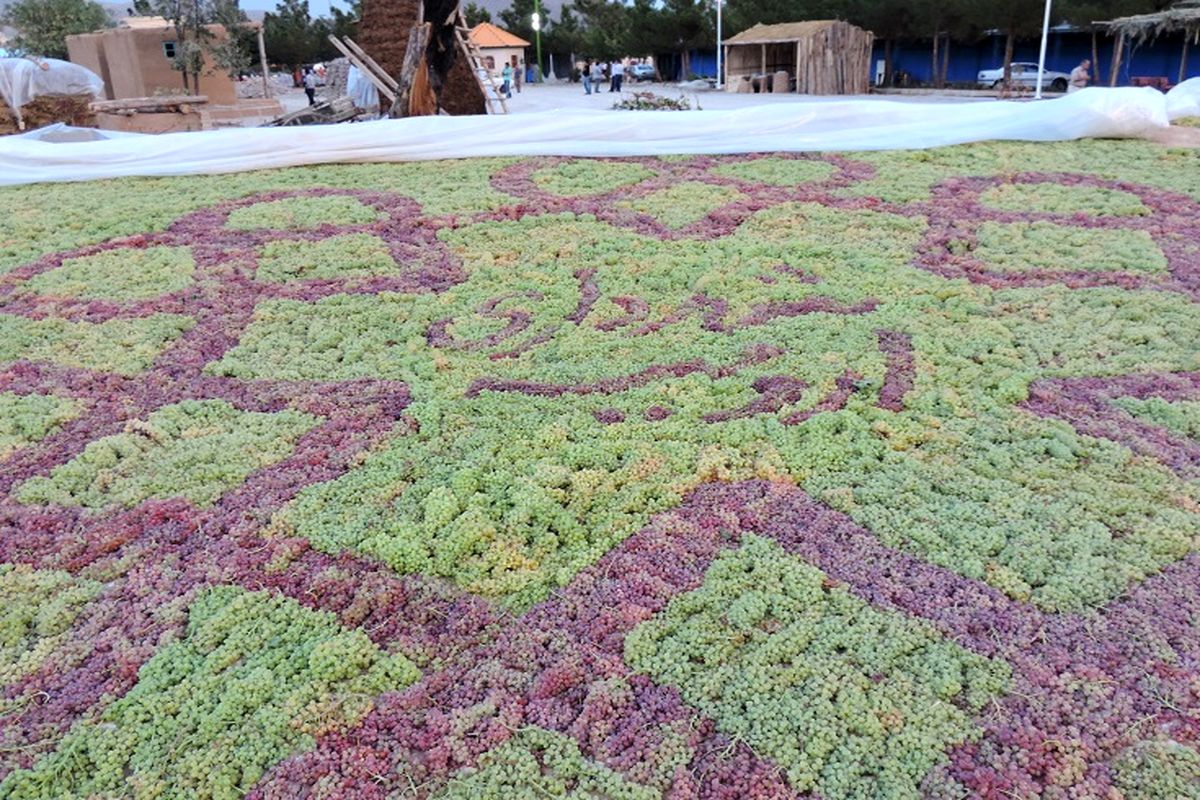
x=597, y=76
x=507, y=75
x=618, y=74
x=586, y=76
x=1080, y=76
x=310, y=86
x=518, y=73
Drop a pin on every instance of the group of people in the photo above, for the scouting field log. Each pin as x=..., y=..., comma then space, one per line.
x=594, y=74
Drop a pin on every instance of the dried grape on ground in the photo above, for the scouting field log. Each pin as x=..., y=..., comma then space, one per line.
x=850, y=476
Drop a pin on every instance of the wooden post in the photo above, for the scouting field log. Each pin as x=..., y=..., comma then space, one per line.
x=1184, y=58
x=414, y=55
x=262, y=60
x=722, y=79
x=764, y=60
x=1118, y=51
x=797, y=66
x=1095, y=57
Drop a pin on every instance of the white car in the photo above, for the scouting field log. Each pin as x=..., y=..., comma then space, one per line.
x=1024, y=74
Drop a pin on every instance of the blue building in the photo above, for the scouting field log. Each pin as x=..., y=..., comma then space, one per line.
x=1065, y=48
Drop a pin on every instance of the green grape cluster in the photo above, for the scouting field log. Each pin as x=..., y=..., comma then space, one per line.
x=347, y=256
x=124, y=346
x=777, y=171
x=853, y=702
x=256, y=677
x=682, y=204
x=1158, y=769
x=29, y=418
x=589, y=176
x=37, y=610
x=1054, y=198
x=1016, y=246
x=195, y=449
x=120, y=274
x=1179, y=416
x=537, y=763
x=302, y=212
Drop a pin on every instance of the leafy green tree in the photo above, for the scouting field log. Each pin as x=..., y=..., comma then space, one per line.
x=43, y=25
x=345, y=23
x=290, y=35
x=476, y=14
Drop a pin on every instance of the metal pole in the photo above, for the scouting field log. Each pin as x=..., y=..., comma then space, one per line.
x=720, y=75
x=537, y=36
x=1037, y=95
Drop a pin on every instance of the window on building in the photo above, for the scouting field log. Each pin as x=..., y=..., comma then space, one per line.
x=169, y=49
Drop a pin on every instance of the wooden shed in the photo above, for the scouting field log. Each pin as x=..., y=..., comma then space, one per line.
x=819, y=57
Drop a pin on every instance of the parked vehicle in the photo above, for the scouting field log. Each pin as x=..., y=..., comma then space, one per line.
x=641, y=72
x=1024, y=74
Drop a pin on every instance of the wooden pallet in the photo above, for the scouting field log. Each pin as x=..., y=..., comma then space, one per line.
x=330, y=112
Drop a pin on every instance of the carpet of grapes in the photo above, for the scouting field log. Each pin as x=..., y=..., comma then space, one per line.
x=843, y=476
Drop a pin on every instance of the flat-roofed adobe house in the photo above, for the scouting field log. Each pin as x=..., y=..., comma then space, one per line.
x=134, y=59
x=826, y=56
x=499, y=47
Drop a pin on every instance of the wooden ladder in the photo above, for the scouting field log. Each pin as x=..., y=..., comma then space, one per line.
x=487, y=81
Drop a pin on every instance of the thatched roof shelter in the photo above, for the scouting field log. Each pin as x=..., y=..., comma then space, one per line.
x=818, y=56
x=1181, y=18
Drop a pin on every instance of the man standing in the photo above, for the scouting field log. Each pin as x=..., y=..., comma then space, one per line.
x=618, y=74
x=585, y=75
x=310, y=86
x=1080, y=76
x=506, y=75
x=597, y=76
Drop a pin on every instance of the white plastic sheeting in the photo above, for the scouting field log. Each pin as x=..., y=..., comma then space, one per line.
x=360, y=89
x=1184, y=100
x=832, y=124
x=22, y=79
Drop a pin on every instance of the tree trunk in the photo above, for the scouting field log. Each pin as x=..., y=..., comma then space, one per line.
x=945, y=62
x=887, y=62
x=1008, y=55
x=685, y=65
x=934, y=74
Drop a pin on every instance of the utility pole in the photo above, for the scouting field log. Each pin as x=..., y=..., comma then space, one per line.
x=719, y=75
x=1037, y=94
x=537, y=35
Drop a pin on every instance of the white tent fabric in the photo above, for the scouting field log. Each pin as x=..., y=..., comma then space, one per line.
x=833, y=124
x=1184, y=100
x=360, y=89
x=22, y=79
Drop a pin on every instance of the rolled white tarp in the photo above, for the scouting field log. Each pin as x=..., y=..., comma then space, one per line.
x=818, y=125
x=23, y=79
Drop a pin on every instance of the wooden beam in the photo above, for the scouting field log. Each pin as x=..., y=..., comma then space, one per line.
x=148, y=104
x=262, y=60
x=797, y=66
x=384, y=90
x=370, y=62
x=1183, y=59
x=1118, y=51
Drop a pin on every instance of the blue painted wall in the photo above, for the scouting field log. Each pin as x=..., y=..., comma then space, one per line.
x=1063, y=52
